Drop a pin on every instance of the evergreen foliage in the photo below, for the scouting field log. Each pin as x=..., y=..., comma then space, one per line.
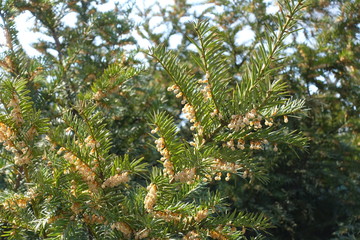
x=76, y=158
x=312, y=194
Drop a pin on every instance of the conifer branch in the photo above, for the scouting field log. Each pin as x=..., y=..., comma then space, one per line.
x=213, y=64
x=72, y=185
